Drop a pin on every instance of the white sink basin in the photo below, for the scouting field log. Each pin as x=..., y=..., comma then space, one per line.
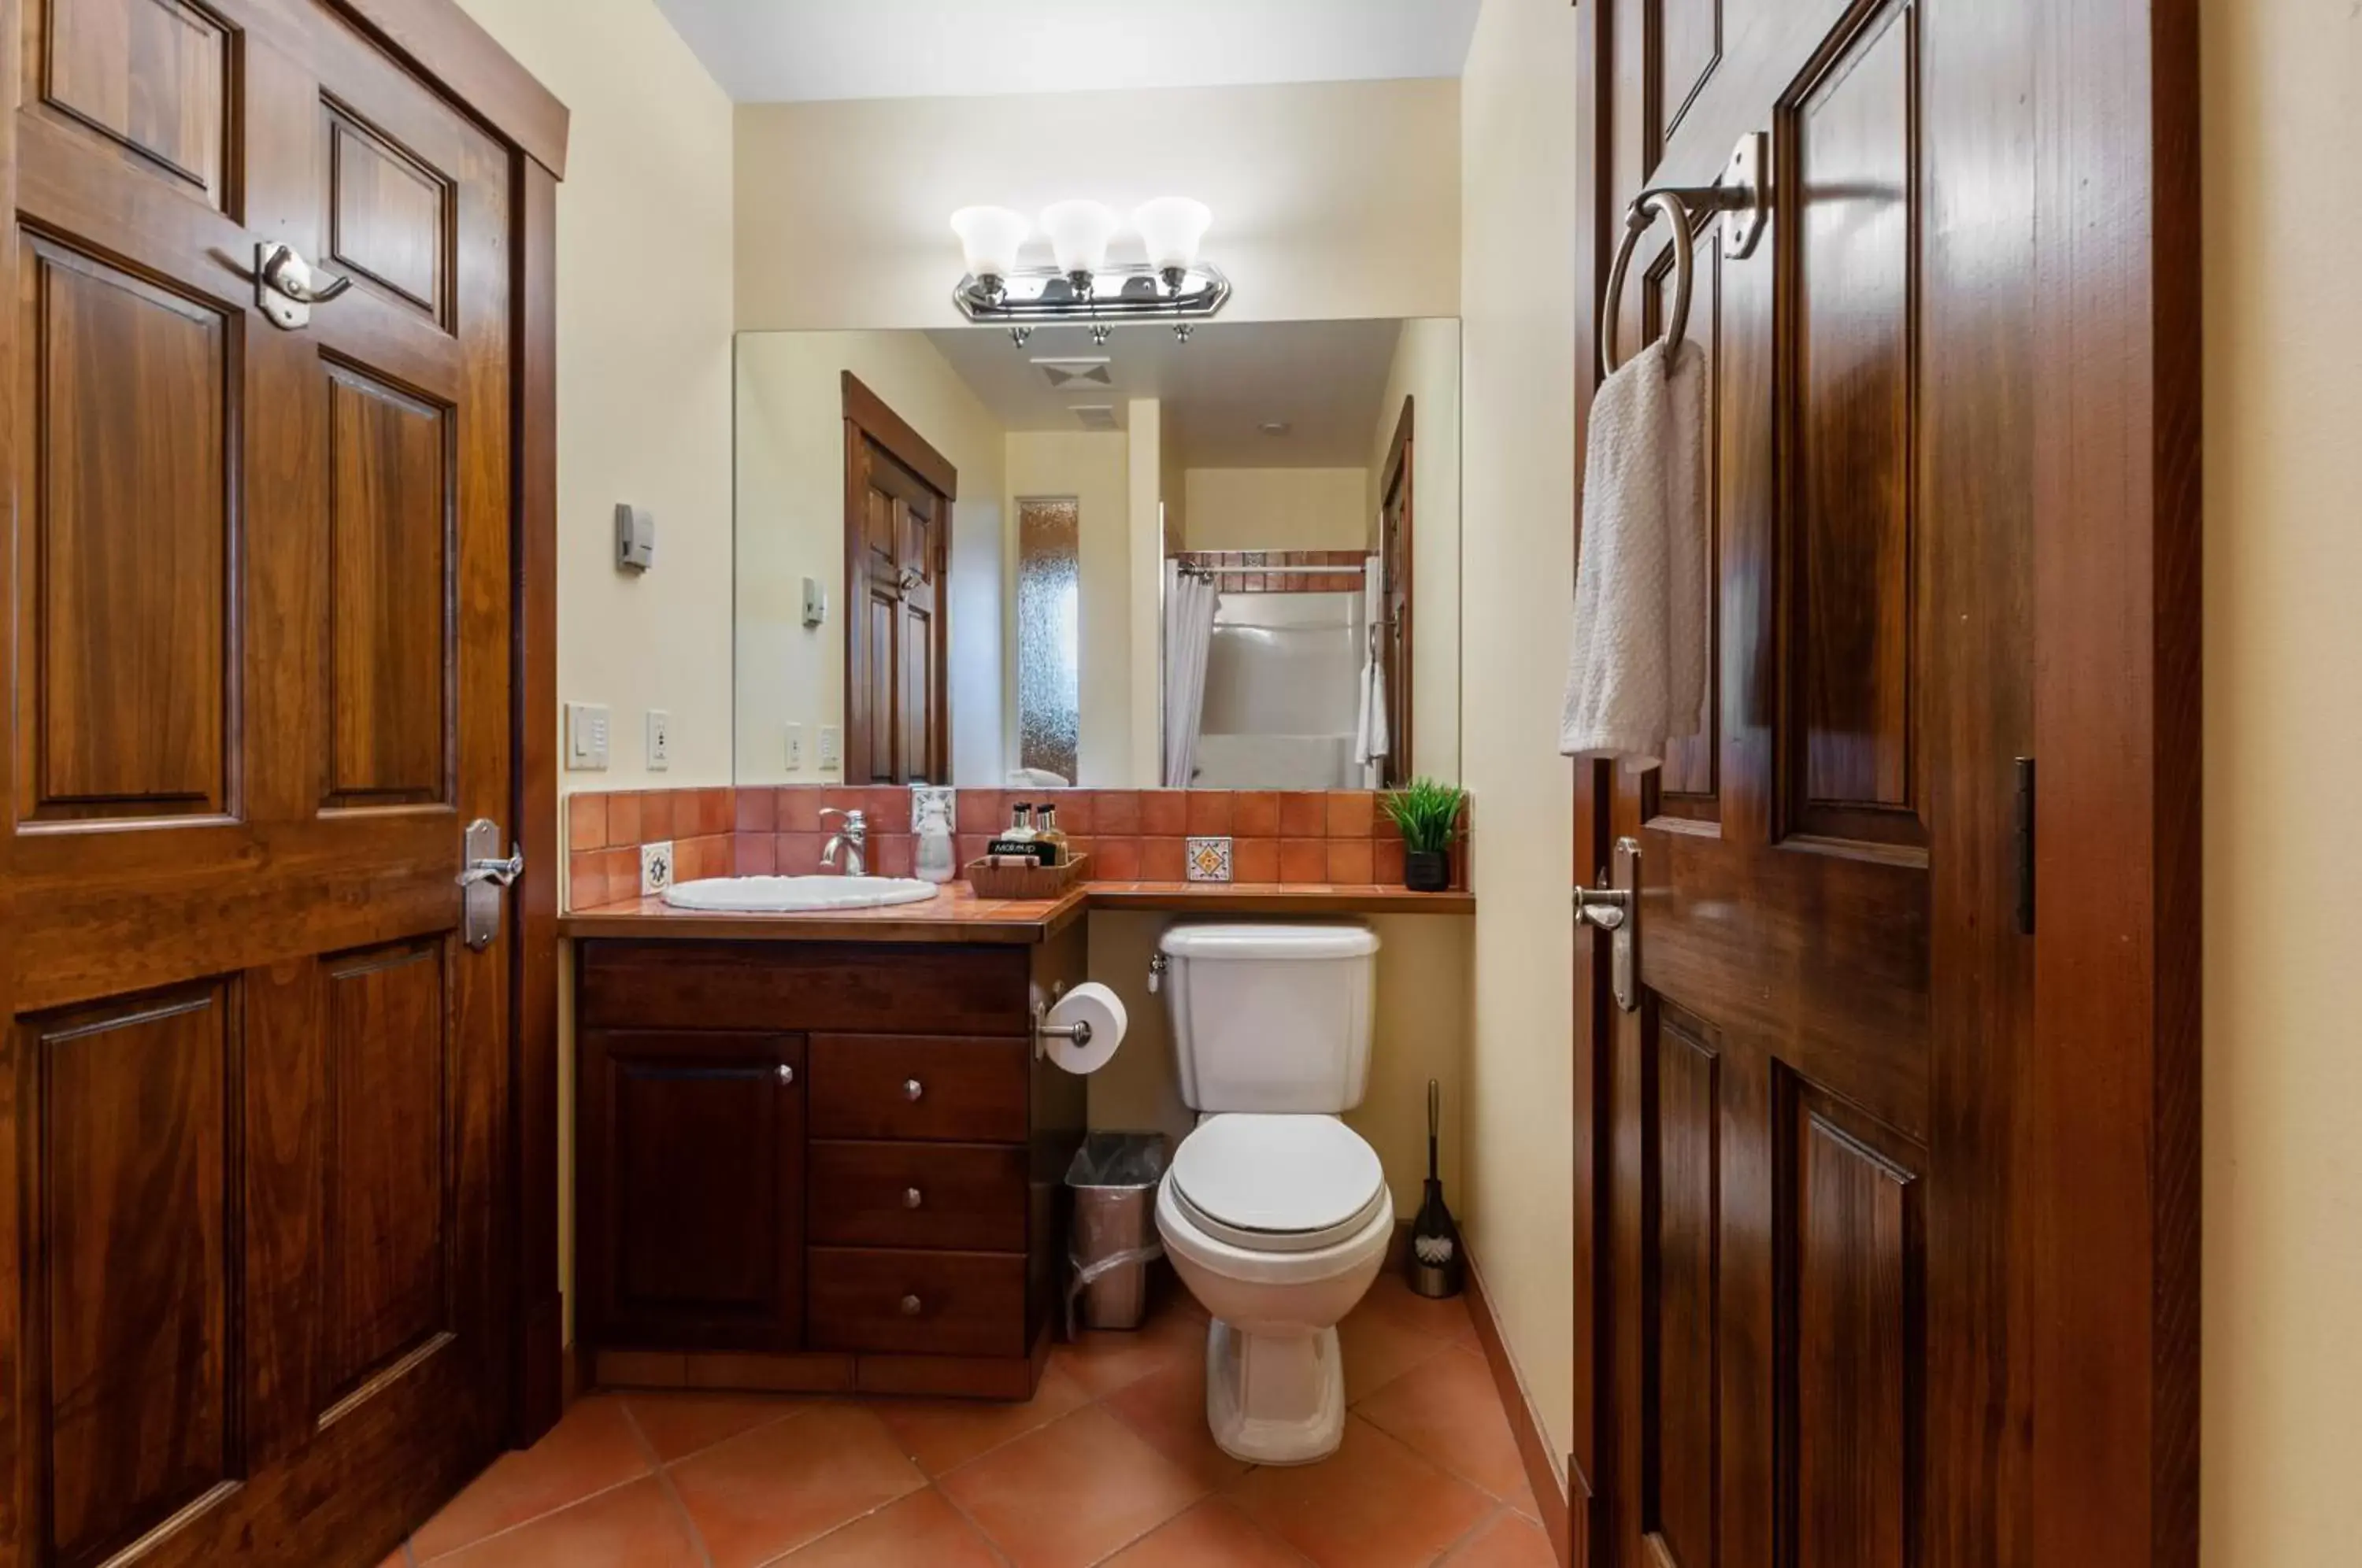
x=797, y=895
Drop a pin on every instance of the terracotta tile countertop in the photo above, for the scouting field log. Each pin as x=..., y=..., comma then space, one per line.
x=956, y=914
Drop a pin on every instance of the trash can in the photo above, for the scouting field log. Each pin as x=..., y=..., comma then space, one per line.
x=1113, y=1237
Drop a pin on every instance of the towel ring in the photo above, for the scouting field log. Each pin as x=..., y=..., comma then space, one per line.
x=1737, y=195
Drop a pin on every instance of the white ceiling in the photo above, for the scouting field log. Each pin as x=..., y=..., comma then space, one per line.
x=1323, y=379
x=782, y=51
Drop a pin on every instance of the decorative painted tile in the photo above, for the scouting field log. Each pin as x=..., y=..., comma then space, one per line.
x=656, y=868
x=1209, y=860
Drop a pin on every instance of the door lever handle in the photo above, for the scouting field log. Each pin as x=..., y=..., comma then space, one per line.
x=1606, y=908
x=503, y=872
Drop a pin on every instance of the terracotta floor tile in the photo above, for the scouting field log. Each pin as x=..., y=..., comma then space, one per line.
x=1374, y=1503
x=1449, y=1410
x=1167, y=1408
x=399, y=1560
x=1378, y=1348
x=1211, y=1535
x=923, y=1530
x=1072, y=1492
x=593, y=1449
x=1511, y=1541
x=1525, y=1502
x=767, y=1491
x=678, y=1425
x=635, y=1526
x=942, y=1434
x=1104, y=1362
x=1446, y=1319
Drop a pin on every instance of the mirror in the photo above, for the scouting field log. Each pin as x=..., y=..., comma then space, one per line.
x=1231, y=561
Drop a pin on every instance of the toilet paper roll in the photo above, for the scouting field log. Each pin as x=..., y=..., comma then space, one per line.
x=1091, y=1003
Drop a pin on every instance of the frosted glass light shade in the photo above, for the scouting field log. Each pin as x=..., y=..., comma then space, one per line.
x=988, y=238
x=1171, y=227
x=1080, y=232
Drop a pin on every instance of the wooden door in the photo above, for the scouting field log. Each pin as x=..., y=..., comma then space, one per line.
x=1395, y=521
x=899, y=494
x=692, y=1180
x=257, y=1267
x=1814, y=1267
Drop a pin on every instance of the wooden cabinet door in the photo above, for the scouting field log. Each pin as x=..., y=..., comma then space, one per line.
x=258, y=646
x=692, y=1177
x=1813, y=1268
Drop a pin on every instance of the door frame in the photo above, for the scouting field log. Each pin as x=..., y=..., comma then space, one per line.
x=2110, y=1151
x=450, y=50
x=1401, y=469
x=868, y=417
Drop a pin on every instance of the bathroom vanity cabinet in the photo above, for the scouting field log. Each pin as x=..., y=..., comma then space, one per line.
x=820, y=1165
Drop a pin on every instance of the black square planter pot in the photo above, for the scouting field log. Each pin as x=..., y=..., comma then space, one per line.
x=1428, y=871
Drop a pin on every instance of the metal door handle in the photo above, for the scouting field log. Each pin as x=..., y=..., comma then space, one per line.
x=1605, y=907
x=1617, y=911
x=503, y=872
x=482, y=877
x=284, y=288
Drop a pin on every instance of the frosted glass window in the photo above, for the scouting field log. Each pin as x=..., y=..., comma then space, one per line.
x=1049, y=635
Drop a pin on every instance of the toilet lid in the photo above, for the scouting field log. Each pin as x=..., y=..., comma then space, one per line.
x=1278, y=1183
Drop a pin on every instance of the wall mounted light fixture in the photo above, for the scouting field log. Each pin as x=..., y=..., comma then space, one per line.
x=1175, y=284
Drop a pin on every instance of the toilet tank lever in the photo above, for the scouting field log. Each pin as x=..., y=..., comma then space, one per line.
x=1157, y=963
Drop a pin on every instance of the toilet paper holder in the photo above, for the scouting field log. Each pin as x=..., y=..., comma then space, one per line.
x=1079, y=1032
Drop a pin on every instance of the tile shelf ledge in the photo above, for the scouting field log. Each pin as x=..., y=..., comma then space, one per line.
x=959, y=916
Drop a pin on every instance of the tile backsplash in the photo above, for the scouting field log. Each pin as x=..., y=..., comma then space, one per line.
x=1315, y=838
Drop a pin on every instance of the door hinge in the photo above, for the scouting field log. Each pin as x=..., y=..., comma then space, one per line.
x=2025, y=846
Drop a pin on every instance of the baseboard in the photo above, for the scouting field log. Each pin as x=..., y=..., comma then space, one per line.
x=1550, y=1487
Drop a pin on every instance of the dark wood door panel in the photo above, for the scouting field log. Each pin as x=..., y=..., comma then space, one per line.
x=389, y=214
x=131, y=1188
x=150, y=77
x=126, y=547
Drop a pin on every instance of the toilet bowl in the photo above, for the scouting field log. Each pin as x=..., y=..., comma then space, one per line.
x=1277, y=1224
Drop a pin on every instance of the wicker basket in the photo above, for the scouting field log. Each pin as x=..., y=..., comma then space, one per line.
x=992, y=881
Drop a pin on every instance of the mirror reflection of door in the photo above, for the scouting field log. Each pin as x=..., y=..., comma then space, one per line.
x=1394, y=632
x=898, y=497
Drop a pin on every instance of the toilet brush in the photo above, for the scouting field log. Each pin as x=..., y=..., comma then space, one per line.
x=1435, y=1262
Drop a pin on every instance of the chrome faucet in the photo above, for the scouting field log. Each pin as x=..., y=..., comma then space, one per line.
x=852, y=841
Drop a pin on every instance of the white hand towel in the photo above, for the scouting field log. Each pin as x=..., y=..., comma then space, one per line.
x=1637, y=667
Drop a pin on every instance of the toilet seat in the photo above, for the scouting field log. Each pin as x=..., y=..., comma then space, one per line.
x=1278, y=1183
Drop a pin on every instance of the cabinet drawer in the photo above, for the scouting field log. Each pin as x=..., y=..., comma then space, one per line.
x=916, y=1303
x=970, y=1197
x=946, y=1089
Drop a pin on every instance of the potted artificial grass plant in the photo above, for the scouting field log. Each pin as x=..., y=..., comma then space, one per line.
x=1426, y=814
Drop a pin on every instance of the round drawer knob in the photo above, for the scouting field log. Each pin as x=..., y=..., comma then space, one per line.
x=912, y=1198
x=787, y=1074
x=912, y=1089
x=910, y=1306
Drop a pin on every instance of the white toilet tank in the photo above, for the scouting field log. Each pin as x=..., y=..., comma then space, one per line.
x=1271, y=1017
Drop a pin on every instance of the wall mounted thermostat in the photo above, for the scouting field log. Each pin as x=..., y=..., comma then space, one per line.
x=635, y=538
x=815, y=602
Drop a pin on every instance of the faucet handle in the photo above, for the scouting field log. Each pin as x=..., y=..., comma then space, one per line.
x=857, y=822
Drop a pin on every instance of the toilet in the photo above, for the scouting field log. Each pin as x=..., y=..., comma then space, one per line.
x=1276, y=1214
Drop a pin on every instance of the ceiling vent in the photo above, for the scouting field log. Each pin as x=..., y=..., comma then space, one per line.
x=1094, y=415
x=1080, y=372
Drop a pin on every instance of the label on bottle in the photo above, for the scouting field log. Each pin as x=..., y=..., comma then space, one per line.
x=1042, y=851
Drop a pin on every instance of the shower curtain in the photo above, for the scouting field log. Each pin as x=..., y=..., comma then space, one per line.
x=1188, y=637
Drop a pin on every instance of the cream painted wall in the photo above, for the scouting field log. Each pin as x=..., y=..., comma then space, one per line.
x=790, y=504
x=2283, y=1164
x=1276, y=509
x=643, y=404
x=1093, y=467
x=643, y=373
x=1518, y=139
x=1330, y=200
x=1427, y=371
x=1421, y=1034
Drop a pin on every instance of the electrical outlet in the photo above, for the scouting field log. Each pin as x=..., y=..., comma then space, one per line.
x=586, y=737
x=659, y=740
x=655, y=869
x=795, y=748
x=832, y=748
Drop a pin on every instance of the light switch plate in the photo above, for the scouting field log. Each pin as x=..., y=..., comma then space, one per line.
x=832, y=748
x=655, y=869
x=795, y=748
x=659, y=740
x=586, y=737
